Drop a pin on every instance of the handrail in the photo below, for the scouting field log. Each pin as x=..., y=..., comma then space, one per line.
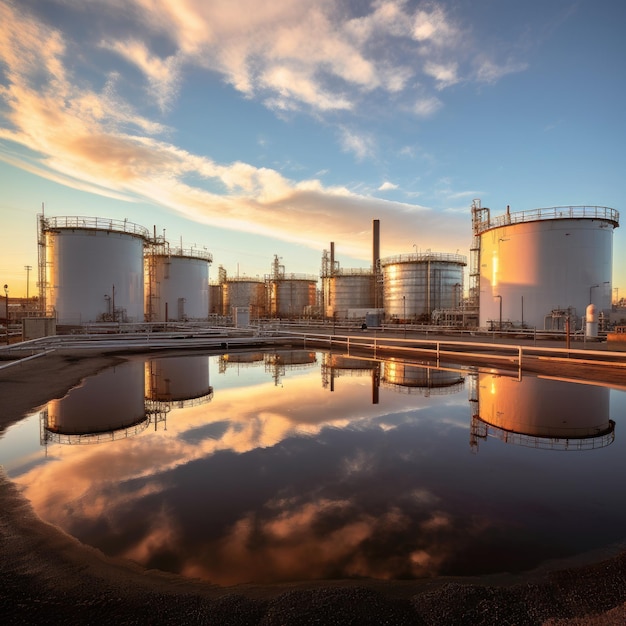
x=551, y=213
x=100, y=223
x=420, y=257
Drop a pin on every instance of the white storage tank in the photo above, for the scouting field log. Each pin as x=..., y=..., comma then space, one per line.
x=93, y=269
x=176, y=284
x=539, y=267
x=414, y=285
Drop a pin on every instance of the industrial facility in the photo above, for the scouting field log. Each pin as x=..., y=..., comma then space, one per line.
x=545, y=269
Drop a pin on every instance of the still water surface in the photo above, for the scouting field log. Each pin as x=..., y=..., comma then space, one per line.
x=285, y=466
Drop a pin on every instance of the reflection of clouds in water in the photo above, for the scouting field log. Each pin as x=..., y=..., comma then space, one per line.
x=271, y=484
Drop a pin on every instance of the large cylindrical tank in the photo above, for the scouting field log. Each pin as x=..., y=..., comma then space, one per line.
x=93, y=269
x=539, y=267
x=415, y=285
x=539, y=408
x=291, y=295
x=348, y=289
x=177, y=283
x=244, y=292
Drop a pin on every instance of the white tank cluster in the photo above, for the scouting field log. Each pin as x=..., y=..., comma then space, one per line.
x=94, y=269
x=540, y=268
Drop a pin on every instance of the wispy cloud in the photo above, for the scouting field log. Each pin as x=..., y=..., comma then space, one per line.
x=360, y=144
x=87, y=135
x=387, y=186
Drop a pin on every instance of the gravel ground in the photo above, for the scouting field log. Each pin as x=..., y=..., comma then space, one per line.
x=48, y=577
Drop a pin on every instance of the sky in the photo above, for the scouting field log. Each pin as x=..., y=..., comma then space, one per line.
x=258, y=128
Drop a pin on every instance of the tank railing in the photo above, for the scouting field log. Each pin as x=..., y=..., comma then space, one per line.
x=193, y=253
x=100, y=223
x=244, y=279
x=420, y=257
x=307, y=277
x=551, y=213
x=349, y=271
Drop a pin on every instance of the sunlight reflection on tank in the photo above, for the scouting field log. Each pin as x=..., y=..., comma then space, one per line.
x=539, y=413
x=103, y=408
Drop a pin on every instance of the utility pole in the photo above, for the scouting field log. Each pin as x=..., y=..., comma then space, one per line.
x=27, y=268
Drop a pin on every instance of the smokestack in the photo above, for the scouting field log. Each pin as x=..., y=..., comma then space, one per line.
x=375, y=262
x=332, y=258
x=376, y=244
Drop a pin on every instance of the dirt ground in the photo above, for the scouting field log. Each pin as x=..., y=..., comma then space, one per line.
x=49, y=577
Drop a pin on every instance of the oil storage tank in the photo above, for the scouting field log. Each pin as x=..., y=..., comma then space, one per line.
x=176, y=283
x=414, y=285
x=241, y=292
x=92, y=269
x=290, y=295
x=540, y=267
x=346, y=289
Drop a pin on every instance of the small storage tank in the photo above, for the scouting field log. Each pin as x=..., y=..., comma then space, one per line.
x=290, y=295
x=176, y=284
x=244, y=292
x=348, y=289
x=414, y=285
x=93, y=269
x=216, y=306
x=539, y=267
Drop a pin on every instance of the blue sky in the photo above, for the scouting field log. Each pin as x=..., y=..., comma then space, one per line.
x=257, y=128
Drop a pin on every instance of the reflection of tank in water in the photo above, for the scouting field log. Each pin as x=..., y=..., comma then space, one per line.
x=277, y=363
x=182, y=380
x=104, y=407
x=337, y=365
x=414, y=378
x=540, y=413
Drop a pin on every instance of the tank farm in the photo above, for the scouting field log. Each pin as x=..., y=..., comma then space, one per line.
x=541, y=269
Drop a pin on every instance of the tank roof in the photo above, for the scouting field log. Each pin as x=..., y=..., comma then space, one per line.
x=551, y=213
x=93, y=223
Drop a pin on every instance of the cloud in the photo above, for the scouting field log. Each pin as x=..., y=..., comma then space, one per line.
x=488, y=71
x=425, y=107
x=445, y=74
x=360, y=144
x=94, y=139
x=162, y=75
x=387, y=186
